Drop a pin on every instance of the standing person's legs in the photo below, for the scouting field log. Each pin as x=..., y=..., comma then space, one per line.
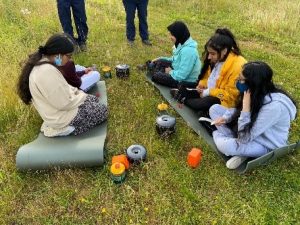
x=130, y=7
x=202, y=104
x=142, y=14
x=64, y=13
x=79, y=14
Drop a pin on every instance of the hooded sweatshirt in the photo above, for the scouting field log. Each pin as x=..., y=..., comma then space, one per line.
x=56, y=101
x=271, y=127
x=185, y=62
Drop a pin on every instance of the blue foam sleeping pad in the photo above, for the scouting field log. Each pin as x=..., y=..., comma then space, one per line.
x=84, y=150
x=191, y=119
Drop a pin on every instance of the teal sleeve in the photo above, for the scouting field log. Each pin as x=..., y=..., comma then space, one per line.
x=185, y=67
x=170, y=59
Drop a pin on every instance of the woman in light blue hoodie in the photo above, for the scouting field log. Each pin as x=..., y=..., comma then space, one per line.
x=184, y=65
x=263, y=117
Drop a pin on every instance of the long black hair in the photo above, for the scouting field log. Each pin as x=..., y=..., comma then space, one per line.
x=56, y=44
x=222, y=39
x=23, y=82
x=258, y=77
x=180, y=31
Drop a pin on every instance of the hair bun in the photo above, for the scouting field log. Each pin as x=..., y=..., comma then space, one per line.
x=221, y=31
x=42, y=50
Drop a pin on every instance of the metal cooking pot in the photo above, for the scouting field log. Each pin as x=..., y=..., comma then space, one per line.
x=122, y=71
x=165, y=125
x=136, y=153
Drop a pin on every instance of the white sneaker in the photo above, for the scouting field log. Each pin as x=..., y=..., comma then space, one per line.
x=235, y=161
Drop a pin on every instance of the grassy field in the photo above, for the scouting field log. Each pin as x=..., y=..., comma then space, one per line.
x=163, y=190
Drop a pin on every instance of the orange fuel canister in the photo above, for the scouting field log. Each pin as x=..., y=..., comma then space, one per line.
x=121, y=159
x=194, y=157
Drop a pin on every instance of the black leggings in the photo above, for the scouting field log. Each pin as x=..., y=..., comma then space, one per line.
x=165, y=79
x=201, y=104
x=159, y=76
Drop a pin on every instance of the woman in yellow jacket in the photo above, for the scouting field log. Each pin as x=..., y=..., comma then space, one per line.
x=217, y=80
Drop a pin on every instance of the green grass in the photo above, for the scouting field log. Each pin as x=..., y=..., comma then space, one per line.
x=163, y=190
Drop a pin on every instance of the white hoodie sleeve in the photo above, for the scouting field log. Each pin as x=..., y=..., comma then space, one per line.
x=268, y=115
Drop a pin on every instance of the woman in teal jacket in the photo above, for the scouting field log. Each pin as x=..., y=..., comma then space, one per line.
x=184, y=65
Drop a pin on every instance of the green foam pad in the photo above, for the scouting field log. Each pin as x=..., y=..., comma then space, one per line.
x=84, y=150
x=269, y=157
x=191, y=119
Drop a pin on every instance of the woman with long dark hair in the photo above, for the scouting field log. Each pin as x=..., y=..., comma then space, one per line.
x=263, y=116
x=184, y=65
x=222, y=65
x=63, y=108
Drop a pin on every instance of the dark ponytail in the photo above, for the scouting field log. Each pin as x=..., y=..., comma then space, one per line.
x=206, y=63
x=232, y=42
x=222, y=39
x=56, y=44
x=23, y=82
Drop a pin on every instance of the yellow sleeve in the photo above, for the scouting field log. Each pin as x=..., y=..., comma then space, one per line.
x=203, y=81
x=228, y=95
x=227, y=91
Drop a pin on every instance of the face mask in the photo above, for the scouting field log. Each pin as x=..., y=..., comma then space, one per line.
x=242, y=87
x=58, y=60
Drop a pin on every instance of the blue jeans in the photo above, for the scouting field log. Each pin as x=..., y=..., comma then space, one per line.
x=130, y=7
x=78, y=11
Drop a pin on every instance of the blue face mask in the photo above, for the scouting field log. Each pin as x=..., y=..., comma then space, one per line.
x=58, y=60
x=242, y=87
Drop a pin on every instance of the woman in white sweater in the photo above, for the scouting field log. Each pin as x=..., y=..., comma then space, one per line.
x=63, y=108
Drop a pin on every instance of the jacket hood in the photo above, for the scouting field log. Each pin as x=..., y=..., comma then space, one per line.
x=189, y=43
x=180, y=31
x=285, y=100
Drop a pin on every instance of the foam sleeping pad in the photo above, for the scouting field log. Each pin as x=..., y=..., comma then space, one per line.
x=84, y=150
x=191, y=119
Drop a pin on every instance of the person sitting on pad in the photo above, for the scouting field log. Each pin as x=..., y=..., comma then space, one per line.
x=79, y=76
x=263, y=117
x=63, y=108
x=216, y=83
x=184, y=65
